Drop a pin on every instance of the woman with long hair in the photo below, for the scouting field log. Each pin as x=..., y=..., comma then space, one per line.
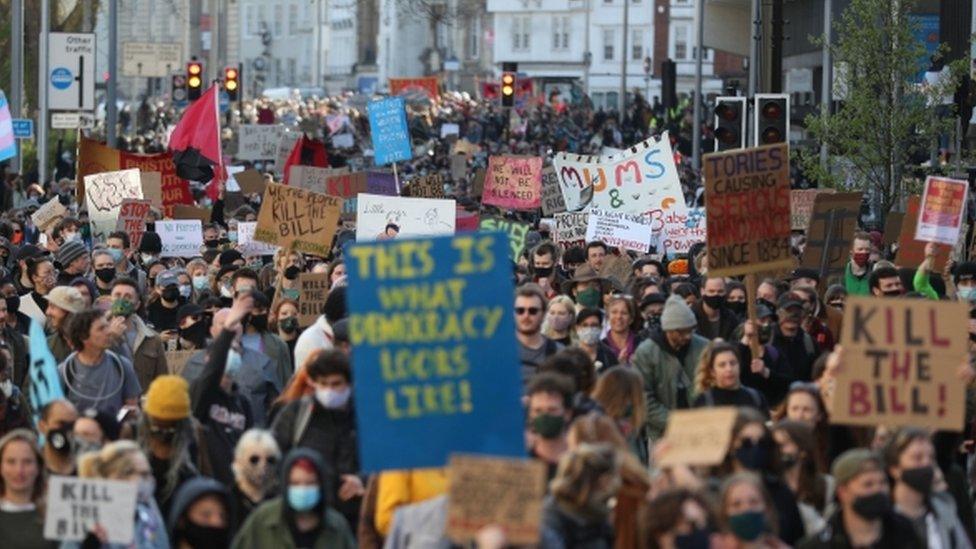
x=22, y=489
x=620, y=392
x=577, y=512
x=747, y=515
x=717, y=380
x=560, y=316
x=803, y=404
x=624, y=323
x=803, y=472
x=283, y=321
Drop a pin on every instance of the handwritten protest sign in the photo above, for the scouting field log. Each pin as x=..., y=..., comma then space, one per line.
x=698, y=437
x=132, y=219
x=831, y=230
x=681, y=231
x=388, y=126
x=432, y=332
x=515, y=230
x=900, y=363
x=942, y=211
x=801, y=207
x=182, y=211
x=250, y=181
x=642, y=180
x=747, y=197
x=513, y=182
x=412, y=217
x=104, y=193
x=309, y=177
x=176, y=360
x=552, y=197
x=313, y=288
x=620, y=230
x=487, y=491
x=48, y=214
x=246, y=243
x=258, y=141
x=427, y=186
x=76, y=505
x=297, y=218
x=569, y=229
x=180, y=238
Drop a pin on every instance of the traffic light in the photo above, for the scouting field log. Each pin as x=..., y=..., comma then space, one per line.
x=772, y=118
x=177, y=92
x=194, y=80
x=508, y=89
x=730, y=123
x=232, y=82
x=669, y=85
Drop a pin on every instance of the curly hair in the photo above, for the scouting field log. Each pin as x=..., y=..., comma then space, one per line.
x=580, y=472
x=705, y=372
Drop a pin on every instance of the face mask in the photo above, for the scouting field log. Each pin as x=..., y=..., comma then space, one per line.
x=543, y=272
x=7, y=387
x=210, y=243
x=892, y=293
x=260, y=322
x=289, y=325
x=105, y=275
x=146, y=490
x=697, y=539
x=186, y=290
x=171, y=293
x=226, y=291
x=303, y=498
x=60, y=441
x=873, y=506
x=332, y=399
x=737, y=307
x=233, y=363
x=589, y=297
x=652, y=322
x=967, y=294
x=548, y=426
x=201, y=283
x=13, y=304
x=860, y=258
x=147, y=259
x=559, y=323
x=748, y=526
x=714, y=301
x=200, y=537
x=789, y=460
x=919, y=479
x=589, y=335
x=232, y=236
x=83, y=446
x=259, y=475
x=70, y=237
x=754, y=457
x=291, y=273
x=116, y=254
x=195, y=334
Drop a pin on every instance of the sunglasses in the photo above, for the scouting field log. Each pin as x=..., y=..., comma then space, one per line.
x=531, y=311
x=255, y=459
x=162, y=431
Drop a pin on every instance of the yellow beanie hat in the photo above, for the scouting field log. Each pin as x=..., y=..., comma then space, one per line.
x=168, y=398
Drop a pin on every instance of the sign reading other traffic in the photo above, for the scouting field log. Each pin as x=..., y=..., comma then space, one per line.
x=71, y=71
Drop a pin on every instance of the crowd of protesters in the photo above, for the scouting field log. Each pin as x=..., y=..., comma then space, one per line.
x=253, y=441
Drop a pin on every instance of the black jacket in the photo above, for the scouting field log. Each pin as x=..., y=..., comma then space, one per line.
x=896, y=533
x=727, y=322
x=799, y=351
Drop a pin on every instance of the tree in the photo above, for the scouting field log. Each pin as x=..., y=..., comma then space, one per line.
x=885, y=118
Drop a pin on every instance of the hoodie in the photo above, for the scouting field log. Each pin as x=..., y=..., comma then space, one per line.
x=189, y=492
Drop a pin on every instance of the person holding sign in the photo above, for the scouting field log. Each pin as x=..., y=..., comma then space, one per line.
x=21, y=491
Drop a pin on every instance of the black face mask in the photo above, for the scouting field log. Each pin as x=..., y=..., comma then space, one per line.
x=737, y=307
x=919, y=479
x=289, y=325
x=872, y=507
x=652, y=322
x=754, y=456
x=205, y=537
x=789, y=460
x=291, y=273
x=212, y=243
x=543, y=272
x=106, y=275
x=171, y=293
x=893, y=293
x=698, y=539
x=260, y=322
x=13, y=304
x=195, y=334
x=714, y=301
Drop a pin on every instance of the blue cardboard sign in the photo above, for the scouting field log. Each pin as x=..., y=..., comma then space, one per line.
x=381, y=183
x=435, y=361
x=23, y=128
x=388, y=125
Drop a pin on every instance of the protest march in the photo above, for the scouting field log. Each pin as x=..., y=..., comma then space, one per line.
x=374, y=321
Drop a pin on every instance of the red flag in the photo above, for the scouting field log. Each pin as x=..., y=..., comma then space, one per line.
x=307, y=152
x=195, y=142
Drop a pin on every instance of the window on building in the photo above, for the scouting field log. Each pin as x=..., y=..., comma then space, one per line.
x=637, y=45
x=291, y=67
x=474, y=37
x=262, y=17
x=608, y=44
x=250, y=24
x=521, y=28
x=612, y=100
x=681, y=42
x=279, y=18
x=292, y=18
x=560, y=33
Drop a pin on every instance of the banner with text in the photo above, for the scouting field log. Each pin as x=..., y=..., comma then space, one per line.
x=180, y=238
x=569, y=229
x=943, y=210
x=681, y=232
x=412, y=217
x=513, y=182
x=299, y=219
x=515, y=230
x=104, y=194
x=388, y=126
x=620, y=230
x=258, y=141
x=75, y=505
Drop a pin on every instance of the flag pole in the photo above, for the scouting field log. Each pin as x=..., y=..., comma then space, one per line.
x=396, y=177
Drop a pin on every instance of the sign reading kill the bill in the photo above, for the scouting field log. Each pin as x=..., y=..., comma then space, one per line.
x=900, y=363
x=747, y=200
x=299, y=219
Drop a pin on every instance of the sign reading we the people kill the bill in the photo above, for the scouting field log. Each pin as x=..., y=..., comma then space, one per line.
x=434, y=353
x=900, y=362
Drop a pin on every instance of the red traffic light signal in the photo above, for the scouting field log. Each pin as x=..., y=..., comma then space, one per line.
x=730, y=123
x=772, y=118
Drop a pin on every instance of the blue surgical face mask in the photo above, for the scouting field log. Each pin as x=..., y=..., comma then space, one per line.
x=967, y=294
x=201, y=282
x=232, y=236
x=116, y=254
x=303, y=498
x=233, y=363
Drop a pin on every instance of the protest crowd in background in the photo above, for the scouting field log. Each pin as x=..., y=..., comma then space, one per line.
x=460, y=328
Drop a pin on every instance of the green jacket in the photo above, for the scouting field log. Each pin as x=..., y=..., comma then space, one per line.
x=856, y=285
x=662, y=373
x=265, y=527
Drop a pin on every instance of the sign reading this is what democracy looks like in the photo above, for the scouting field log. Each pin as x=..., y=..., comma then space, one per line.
x=434, y=351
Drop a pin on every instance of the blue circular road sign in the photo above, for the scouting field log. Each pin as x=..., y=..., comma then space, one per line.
x=61, y=78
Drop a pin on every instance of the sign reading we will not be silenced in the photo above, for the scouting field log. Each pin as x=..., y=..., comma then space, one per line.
x=513, y=182
x=900, y=362
x=747, y=200
x=297, y=218
x=432, y=331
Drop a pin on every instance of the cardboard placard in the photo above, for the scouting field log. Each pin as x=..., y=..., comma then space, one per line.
x=104, y=193
x=487, y=490
x=313, y=288
x=48, y=214
x=478, y=183
x=747, y=199
x=569, y=229
x=892, y=228
x=246, y=243
x=434, y=317
x=427, y=186
x=459, y=166
x=311, y=178
x=388, y=126
x=182, y=211
x=152, y=188
x=552, y=197
x=346, y=184
x=132, y=220
x=258, y=141
x=698, y=437
x=463, y=146
x=619, y=230
x=412, y=216
x=513, y=182
x=76, y=505
x=94, y=158
x=943, y=209
x=900, y=362
x=180, y=238
x=911, y=252
x=251, y=181
x=298, y=219
x=429, y=85
x=832, y=227
x=176, y=361
x=516, y=231
x=801, y=207
x=681, y=232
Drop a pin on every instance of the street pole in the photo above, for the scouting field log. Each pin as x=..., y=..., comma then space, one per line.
x=111, y=109
x=212, y=60
x=826, y=83
x=755, y=24
x=17, y=71
x=586, y=49
x=697, y=124
x=623, y=65
x=42, y=91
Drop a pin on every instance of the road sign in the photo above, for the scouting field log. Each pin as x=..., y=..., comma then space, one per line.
x=224, y=101
x=23, y=128
x=71, y=76
x=150, y=59
x=72, y=121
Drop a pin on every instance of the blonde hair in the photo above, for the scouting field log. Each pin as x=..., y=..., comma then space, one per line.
x=114, y=460
x=705, y=373
x=570, y=307
x=619, y=387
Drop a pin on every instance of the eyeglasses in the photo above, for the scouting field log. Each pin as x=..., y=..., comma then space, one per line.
x=162, y=431
x=804, y=386
x=255, y=459
x=531, y=311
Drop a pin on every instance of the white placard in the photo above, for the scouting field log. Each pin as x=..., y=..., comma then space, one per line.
x=76, y=505
x=72, y=121
x=246, y=243
x=414, y=216
x=942, y=211
x=180, y=237
x=343, y=141
x=148, y=59
x=259, y=141
x=630, y=232
x=285, y=144
x=450, y=129
x=71, y=71
x=104, y=193
x=232, y=184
